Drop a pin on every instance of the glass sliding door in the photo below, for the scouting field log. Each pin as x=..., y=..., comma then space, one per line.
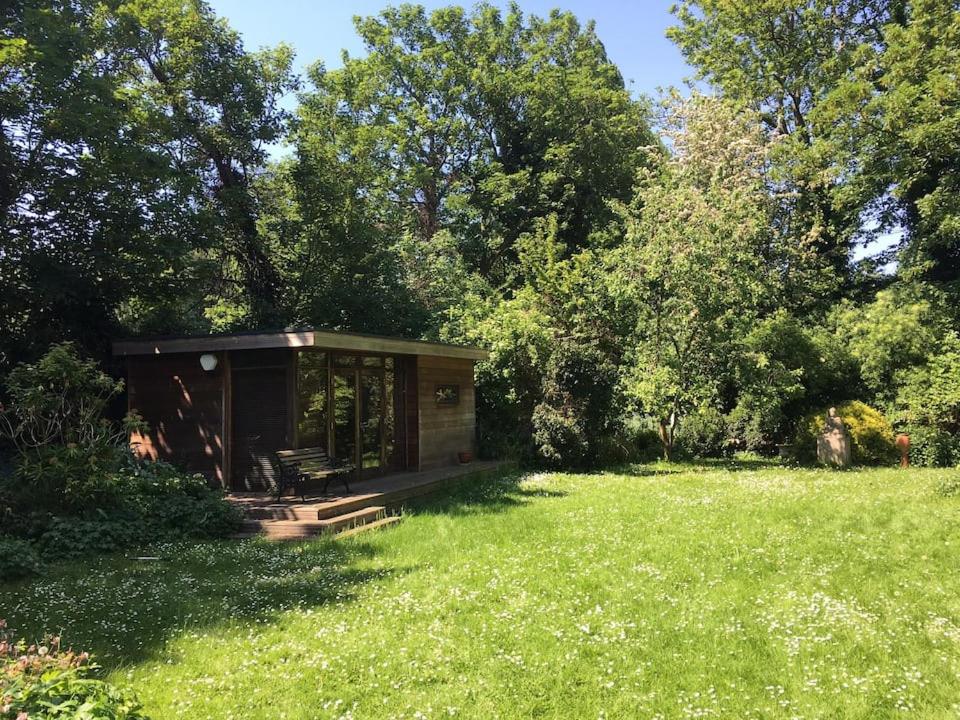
x=345, y=416
x=371, y=419
x=345, y=404
x=312, y=394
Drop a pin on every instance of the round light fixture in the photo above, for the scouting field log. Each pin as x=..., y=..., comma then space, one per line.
x=208, y=362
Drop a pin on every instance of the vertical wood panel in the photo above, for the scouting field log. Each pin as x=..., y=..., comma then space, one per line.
x=445, y=430
x=227, y=413
x=411, y=419
x=260, y=425
x=183, y=405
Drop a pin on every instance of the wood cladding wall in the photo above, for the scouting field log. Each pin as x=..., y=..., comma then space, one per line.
x=197, y=417
x=183, y=404
x=445, y=430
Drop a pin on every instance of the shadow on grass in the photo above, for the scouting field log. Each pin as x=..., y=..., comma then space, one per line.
x=685, y=466
x=489, y=495
x=125, y=610
x=640, y=470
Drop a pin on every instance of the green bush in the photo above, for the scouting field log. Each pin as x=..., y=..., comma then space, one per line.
x=703, y=434
x=156, y=502
x=72, y=537
x=933, y=447
x=871, y=435
x=17, y=559
x=560, y=437
x=639, y=439
x=575, y=413
x=76, y=488
x=69, y=478
x=65, y=451
x=787, y=369
x=44, y=681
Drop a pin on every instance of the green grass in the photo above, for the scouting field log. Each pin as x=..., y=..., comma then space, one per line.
x=668, y=591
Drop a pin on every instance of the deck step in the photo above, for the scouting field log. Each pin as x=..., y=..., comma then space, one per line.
x=281, y=511
x=281, y=529
x=349, y=520
x=380, y=524
x=302, y=529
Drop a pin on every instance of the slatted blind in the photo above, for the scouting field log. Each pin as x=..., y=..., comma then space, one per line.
x=259, y=425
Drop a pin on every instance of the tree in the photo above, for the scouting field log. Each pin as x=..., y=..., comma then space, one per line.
x=131, y=136
x=212, y=107
x=92, y=213
x=894, y=332
x=929, y=394
x=549, y=390
x=481, y=125
x=908, y=129
x=699, y=263
x=785, y=369
x=784, y=58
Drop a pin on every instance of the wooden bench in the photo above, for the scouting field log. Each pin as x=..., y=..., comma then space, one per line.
x=297, y=467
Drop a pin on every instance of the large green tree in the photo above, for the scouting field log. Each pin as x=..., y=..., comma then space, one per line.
x=132, y=134
x=899, y=110
x=91, y=213
x=784, y=59
x=700, y=264
x=481, y=125
x=212, y=108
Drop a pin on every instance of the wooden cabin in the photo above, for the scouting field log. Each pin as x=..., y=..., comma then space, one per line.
x=222, y=405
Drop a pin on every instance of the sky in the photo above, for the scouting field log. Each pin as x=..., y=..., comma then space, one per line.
x=631, y=30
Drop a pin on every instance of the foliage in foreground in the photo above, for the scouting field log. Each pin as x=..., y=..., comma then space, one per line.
x=46, y=681
x=76, y=488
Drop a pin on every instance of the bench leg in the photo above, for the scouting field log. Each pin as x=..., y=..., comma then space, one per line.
x=333, y=478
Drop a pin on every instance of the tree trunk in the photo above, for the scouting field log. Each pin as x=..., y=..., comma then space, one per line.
x=666, y=427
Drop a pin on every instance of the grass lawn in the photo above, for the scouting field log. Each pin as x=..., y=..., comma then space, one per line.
x=669, y=591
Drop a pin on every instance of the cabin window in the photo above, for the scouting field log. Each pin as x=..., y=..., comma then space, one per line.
x=312, y=389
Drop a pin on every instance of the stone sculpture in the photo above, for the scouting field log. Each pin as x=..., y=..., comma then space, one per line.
x=833, y=443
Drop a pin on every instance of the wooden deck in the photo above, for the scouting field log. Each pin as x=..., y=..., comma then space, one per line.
x=369, y=501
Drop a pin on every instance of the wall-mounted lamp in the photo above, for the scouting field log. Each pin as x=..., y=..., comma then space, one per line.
x=208, y=362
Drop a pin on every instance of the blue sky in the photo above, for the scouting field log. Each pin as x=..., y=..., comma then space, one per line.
x=633, y=32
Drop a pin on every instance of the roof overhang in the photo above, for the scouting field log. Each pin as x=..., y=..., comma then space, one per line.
x=347, y=342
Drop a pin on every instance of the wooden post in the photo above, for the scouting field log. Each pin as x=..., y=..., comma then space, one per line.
x=226, y=438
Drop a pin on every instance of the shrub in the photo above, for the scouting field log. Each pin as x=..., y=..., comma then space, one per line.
x=157, y=502
x=68, y=478
x=44, y=681
x=933, y=447
x=575, y=413
x=17, y=559
x=77, y=488
x=65, y=450
x=559, y=436
x=871, y=435
x=785, y=370
x=703, y=434
x=66, y=538
x=639, y=439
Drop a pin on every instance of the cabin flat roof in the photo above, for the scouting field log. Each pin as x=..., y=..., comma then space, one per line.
x=306, y=337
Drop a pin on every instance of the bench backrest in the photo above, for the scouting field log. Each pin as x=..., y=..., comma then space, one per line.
x=300, y=456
